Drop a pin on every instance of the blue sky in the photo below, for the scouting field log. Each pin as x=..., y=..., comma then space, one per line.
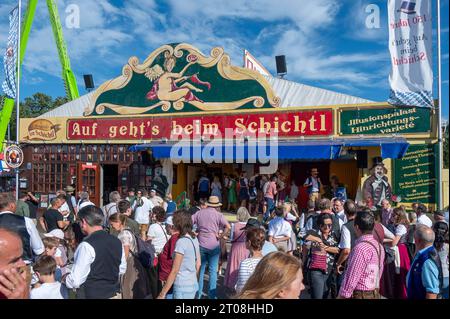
x=326, y=42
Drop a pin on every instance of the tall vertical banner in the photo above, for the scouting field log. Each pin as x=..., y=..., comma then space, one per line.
x=9, y=60
x=410, y=40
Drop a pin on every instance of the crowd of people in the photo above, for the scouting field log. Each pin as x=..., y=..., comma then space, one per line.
x=141, y=246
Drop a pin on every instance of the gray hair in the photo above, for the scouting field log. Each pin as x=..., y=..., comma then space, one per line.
x=92, y=215
x=84, y=195
x=424, y=234
x=6, y=199
x=242, y=214
x=114, y=197
x=54, y=201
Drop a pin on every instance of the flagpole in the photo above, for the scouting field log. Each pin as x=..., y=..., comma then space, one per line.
x=18, y=95
x=441, y=154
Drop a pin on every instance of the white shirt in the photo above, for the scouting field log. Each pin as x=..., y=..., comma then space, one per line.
x=387, y=233
x=291, y=217
x=83, y=258
x=342, y=216
x=246, y=269
x=278, y=228
x=346, y=240
x=52, y=290
x=158, y=235
x=400, y=230
x=64, y=208
x=109, y=210
x=424, y=220
x=84, y=204
x=302, y=221
x=315, y=183
x=156, y=200
x=35, y=240
x=142, y=213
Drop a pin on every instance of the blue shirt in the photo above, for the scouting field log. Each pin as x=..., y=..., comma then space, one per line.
x=268, y=248
x=430, y=274
x=189, y=248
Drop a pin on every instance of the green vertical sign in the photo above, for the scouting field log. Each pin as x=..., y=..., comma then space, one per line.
x=415, y=175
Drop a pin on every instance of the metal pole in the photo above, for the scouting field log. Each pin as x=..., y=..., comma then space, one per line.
x=441, y=153
x=18, y=94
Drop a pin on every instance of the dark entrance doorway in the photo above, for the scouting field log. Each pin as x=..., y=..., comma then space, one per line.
x=110, y=180
x=300, y=171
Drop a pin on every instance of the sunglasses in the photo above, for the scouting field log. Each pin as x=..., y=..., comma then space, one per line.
x=327, y=225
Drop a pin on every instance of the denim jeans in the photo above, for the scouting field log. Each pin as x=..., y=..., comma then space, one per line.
x=270, y=207
x=445, y=288
x=210, y=256
x=320, y=284
x=185, y=291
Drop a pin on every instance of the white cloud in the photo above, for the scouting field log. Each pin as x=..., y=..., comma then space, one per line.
x=308, y=15
x=301, y=29
x=355, y=22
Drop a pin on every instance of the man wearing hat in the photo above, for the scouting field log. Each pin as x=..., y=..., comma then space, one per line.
x=377, y=187
x=210, y=222
x=71, y=202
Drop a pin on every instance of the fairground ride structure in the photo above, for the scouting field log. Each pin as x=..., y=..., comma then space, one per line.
x=67, y=74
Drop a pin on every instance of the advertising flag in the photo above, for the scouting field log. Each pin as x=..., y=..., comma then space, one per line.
x=410, y=39
x=250, y=62
x=10, y=59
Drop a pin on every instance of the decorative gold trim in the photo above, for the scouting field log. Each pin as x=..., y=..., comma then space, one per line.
x=131, y=110
x=217, y=57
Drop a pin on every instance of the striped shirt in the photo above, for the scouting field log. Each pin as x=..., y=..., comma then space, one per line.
x=364, y=267
x=246, y=269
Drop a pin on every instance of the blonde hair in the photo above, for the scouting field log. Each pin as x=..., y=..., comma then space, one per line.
x=242, y=214
x=287, y=207
x=50, y=242
x=401, y=217
x=273, y=273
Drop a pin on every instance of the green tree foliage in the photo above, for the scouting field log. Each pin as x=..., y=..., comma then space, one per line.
x=37, y=104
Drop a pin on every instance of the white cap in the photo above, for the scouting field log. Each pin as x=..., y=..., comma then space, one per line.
x=169, y=220
x=152, y=191
x=57, y=233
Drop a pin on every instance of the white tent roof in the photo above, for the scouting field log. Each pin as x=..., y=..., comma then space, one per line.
x=73, y=108
x=292, y=94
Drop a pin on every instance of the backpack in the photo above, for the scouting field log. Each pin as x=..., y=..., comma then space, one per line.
x=204, y=185
x=145, y=251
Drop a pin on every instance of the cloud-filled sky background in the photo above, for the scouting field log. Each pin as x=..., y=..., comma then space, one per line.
x=326, y=42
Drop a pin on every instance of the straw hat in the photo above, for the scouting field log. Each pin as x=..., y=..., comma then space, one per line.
x=69, y=189
x=213, y=201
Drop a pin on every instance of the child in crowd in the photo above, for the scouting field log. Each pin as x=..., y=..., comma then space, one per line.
x=61, y=256
x=48, y=287
x=51, y=246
